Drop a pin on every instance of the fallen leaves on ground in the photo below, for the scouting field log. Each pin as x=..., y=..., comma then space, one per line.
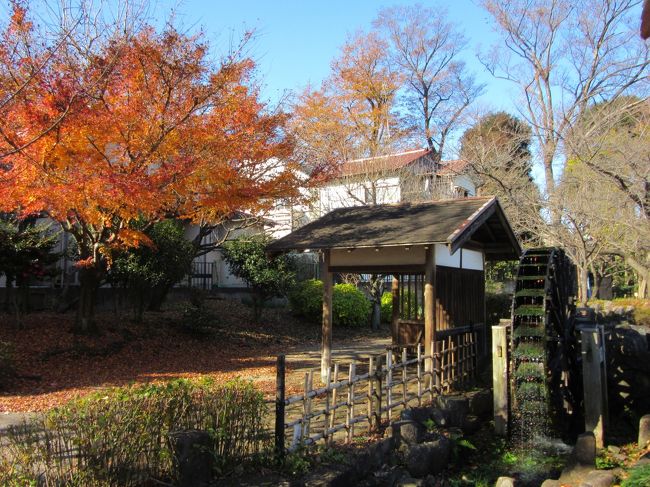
x=54, y=365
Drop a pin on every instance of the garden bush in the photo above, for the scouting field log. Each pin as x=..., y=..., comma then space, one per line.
x=387, y=305
x=350, y=305
x=120, y=436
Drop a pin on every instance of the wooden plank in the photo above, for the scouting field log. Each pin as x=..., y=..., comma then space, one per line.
x=500, y=378
x=326, y=343
x=369, y=399
x=334, y=392
x=377, y=269
x=419, y=373
x=279, y=408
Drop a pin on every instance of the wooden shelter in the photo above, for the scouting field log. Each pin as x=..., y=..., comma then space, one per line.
x=435, y=251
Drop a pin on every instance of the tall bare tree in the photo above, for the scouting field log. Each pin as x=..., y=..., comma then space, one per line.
x=565, y=55
x=426, y=48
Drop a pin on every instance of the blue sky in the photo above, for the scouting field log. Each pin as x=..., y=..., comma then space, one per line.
x=298, y=39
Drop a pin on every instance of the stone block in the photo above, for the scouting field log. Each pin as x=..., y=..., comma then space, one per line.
x=455, y=408
x=551, y=483
x=585, y=449
x=505, y=482
x=421, y=414
x=644, y=431
x=428, y=458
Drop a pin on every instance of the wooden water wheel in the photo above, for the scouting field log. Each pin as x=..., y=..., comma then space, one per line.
x=546, y=384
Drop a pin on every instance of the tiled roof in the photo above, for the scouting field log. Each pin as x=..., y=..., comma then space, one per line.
x=449, y=222
x=389, y=162
x=452, y=168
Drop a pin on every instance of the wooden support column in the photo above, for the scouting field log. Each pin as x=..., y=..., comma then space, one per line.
x=326, y=343
x=396, y=311
x=429, y=307
x=500, y=382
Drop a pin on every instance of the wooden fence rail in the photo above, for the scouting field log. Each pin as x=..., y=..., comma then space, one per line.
x=374, y=391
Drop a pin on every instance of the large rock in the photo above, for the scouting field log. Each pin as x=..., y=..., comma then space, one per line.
x=426, y=458
x=481, y=403
x=505, y=482
x=585, y=449
x=598, y=478
x=455, y=408
x=421, y=414
x=644, y=431
x=193, y=460
x=471, y=424
x=551, y=483
x=439, y=417
x=407, y=432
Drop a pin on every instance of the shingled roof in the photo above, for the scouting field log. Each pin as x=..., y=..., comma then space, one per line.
x=469, y=222
x=389, y=162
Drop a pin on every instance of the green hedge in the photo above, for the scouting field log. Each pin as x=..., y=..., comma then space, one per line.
x=120, y=436
x=350, y=305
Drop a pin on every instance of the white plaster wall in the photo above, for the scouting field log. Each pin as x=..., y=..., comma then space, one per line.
x=472, y=260
x=443, y=257
x=464, y=181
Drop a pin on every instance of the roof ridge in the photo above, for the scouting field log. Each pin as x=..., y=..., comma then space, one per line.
x=394, y=154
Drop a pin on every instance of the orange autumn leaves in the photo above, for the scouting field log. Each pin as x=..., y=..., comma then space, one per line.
x=148, y=128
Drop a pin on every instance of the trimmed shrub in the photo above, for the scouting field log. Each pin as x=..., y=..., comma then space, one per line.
x=350, y=305
x=386, y=307
x=306, y=299
x=120, y=436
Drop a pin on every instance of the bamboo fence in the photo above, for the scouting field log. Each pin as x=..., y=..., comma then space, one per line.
x=359, y=398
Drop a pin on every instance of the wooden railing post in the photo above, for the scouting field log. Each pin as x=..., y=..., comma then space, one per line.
x=594, y=382
x=279, y=408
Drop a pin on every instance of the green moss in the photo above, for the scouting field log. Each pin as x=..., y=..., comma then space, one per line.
x=529, y=370
x=529, y=310
x=529, y=351
x=530, y=293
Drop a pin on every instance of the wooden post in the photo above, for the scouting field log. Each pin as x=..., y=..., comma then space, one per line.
x=326, y=346
x=378, y=392
x=306, y=421
x=334, y=394
x=405, y=383
x=394, y=320
x=389, y=384
x=500, y=379
x=429, y=306
x=279, y=409
x=371, y=392
x=326, y=422
x=592, y=379
x=419, y=373
x=349, y=425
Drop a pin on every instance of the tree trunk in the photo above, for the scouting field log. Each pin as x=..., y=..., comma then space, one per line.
x=158, y=296
x=595, y=290
x=89, y=281
x=583, y=285
x=376, y=290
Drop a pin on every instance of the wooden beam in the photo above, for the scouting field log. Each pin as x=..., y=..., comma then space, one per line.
x=500, y=379
x=326, y=344
x=378, y=269
x=429, y=305
x=396, y=309
x=466, y=234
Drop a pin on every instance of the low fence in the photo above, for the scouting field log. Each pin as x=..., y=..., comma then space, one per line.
x=372, y=392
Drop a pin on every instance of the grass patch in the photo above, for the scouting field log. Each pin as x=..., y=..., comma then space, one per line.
x=639, y=477
x=529, y=310
x=527, y=371
x=529, y=351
